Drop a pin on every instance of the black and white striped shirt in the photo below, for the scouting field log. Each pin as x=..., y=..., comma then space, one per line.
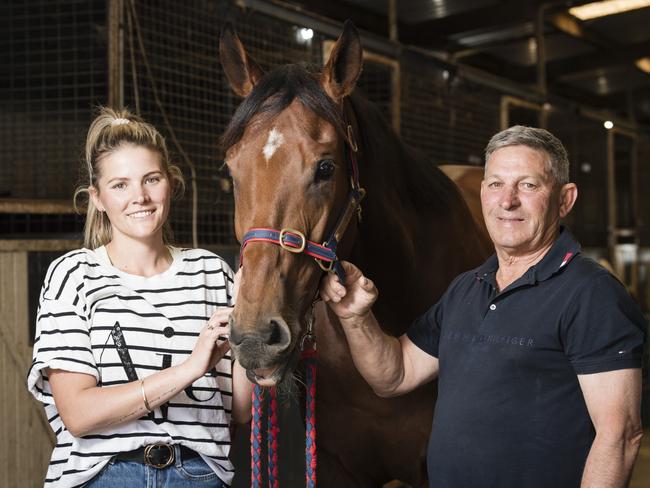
x=84, y=302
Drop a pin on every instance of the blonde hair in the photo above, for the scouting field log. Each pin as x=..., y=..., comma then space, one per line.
x=111, y=130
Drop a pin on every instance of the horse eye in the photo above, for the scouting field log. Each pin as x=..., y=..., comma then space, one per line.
x=325, y=169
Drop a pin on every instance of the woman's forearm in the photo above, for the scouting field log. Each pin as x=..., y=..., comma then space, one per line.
x=85, y=407
x=242, y=390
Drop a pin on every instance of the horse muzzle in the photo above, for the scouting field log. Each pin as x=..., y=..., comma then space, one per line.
x=263, y=350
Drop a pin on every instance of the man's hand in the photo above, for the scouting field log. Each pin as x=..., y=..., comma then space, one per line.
x=353, y=300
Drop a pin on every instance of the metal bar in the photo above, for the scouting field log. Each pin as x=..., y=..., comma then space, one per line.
x=611, y=200
x=292, y=14
x=395, y=78
x=115, y=53
x=541, y=51
x=507, y=101
x=396, y=98
x=393, y=34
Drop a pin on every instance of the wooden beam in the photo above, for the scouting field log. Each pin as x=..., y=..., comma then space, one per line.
x=435, y=33
x=362, y=18
x=25, y=206
x=622, y=55
x=24, y=245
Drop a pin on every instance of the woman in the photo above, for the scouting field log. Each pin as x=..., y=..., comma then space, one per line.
x=131, y=352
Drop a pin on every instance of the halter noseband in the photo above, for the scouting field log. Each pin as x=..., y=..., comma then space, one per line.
x=294, y=241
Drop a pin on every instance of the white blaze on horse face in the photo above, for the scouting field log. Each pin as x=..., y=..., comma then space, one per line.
x=275, y=140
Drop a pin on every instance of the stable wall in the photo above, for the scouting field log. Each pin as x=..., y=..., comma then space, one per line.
x=27, y=439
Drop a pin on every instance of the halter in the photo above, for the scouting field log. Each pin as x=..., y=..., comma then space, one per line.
x=294, y=241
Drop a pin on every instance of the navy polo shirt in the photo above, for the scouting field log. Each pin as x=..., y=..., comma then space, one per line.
x=510, y=411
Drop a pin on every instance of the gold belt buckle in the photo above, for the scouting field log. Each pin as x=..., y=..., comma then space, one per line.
x=147, y=455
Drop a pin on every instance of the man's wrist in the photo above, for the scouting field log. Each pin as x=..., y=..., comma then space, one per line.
x=357, y=321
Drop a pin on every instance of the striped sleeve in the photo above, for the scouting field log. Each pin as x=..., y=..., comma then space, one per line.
x=229, y=278
x=62, y=332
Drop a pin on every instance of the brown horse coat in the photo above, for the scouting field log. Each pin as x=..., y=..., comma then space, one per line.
x=416, y=235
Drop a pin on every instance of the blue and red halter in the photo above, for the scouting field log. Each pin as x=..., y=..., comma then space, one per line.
x=294, y=241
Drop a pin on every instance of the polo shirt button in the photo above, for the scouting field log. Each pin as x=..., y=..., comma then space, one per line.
x=493, y=307
x=168, y=332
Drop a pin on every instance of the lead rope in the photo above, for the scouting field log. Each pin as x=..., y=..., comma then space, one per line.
x=256, y=438
x=308, y=355
x=272, y=439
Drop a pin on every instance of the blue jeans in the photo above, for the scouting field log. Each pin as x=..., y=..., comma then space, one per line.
x=183, y=473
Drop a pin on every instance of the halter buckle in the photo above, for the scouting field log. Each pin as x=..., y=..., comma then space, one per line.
x=286, y=247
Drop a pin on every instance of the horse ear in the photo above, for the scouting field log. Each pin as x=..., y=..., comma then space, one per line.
x=242, y=71
x=343, y=68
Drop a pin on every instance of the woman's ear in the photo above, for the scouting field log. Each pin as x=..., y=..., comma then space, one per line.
x=93, y=192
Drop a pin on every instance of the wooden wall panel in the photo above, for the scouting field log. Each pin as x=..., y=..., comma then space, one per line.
x=28, y=440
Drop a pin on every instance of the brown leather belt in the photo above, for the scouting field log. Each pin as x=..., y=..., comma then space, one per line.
x=156, y=455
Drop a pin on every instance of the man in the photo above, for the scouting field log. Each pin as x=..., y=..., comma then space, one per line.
x=537, y=352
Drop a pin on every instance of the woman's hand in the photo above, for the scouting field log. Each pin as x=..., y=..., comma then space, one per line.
x=212, y=343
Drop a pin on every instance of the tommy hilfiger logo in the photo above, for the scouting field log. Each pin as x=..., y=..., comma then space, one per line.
x=489, y=339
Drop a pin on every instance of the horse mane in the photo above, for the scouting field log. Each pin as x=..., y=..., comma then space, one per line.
x=408, y=171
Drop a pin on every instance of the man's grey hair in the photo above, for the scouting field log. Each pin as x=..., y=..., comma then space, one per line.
x=535, y=138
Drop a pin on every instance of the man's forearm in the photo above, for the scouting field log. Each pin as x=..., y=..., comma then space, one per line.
x=376, y=355
x=610, y=461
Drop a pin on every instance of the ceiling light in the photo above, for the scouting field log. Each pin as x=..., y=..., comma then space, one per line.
x=606, y=7
x=306, y=34
x=643, y=64
x=608, y=124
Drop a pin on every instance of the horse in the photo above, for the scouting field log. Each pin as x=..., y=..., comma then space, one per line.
x=289, y=147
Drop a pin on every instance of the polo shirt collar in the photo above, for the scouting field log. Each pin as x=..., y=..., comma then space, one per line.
x=564, y=249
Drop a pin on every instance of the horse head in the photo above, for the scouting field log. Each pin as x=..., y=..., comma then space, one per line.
x=288, y=149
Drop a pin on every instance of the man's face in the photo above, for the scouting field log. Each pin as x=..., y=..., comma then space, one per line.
x=522, y=204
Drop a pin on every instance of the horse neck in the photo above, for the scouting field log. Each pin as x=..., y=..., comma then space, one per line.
x=408, y=202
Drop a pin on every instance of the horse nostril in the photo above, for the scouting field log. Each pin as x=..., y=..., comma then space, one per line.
x=276, y=333
x=268, y=333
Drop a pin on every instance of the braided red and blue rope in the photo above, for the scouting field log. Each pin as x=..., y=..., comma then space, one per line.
x=256, y=439
x=272, y=439
x=309, y=357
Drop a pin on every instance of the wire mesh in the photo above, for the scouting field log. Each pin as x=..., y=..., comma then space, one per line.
x=53, y=58
x=448, y=118
x=180, y=43
x=375, y=83
x=586, y=142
